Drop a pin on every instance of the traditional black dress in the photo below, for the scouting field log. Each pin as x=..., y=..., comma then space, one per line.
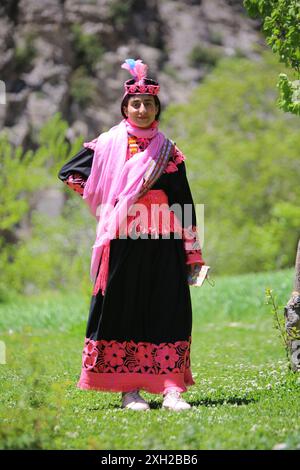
x=138, y=333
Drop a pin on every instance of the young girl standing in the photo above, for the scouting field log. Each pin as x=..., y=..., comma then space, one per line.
x=145, y=256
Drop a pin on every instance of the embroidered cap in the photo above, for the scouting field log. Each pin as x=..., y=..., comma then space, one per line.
x=139, y=83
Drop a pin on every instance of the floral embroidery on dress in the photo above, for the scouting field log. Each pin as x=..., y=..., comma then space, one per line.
x=127, y=356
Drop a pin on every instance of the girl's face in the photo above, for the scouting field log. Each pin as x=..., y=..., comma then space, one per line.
x=141, y=110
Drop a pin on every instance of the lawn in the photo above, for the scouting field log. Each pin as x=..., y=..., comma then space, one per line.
x=245, y=397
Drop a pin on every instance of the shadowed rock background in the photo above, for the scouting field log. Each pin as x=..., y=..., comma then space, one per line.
x=65, y=55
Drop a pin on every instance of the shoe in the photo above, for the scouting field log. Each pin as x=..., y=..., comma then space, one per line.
x=174, y=401
x=133, y=401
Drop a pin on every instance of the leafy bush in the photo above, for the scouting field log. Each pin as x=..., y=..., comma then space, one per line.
x=54, y=254
x=281, y=27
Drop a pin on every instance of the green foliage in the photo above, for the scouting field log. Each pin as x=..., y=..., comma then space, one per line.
x=82, y=87
x=278, y=322
x=24, y=54
x=62, y=261
x=15, y=174
x=204, y=55
x=50, y=254
x=260, y=7
x=286, y=336
x=289, y=100
x=281, y=27
x=19, y=178
x=243, y=165
x=119, y=12
x=87, y=48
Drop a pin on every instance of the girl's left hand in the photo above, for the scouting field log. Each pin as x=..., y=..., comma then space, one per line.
x=193, y=272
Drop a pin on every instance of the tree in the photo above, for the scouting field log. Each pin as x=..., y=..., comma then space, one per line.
x=281, y=26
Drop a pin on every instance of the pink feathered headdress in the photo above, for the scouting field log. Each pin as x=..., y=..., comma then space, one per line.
x=139, y=83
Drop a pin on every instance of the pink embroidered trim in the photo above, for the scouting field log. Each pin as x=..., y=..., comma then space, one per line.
x=137, y=88
x=118, y=365
x=76, y=182
x=192, y=245
x=191, y=238
x=194, y=257
x=173, y=163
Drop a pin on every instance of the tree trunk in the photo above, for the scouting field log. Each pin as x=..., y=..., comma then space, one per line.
x=292, y=318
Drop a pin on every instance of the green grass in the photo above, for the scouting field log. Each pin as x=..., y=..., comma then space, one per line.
x=244, y=397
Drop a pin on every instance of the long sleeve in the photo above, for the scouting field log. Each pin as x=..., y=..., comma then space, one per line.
x=179, y=193
x=77, y=170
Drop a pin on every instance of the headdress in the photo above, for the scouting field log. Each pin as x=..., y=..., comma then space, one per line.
x=140, y=83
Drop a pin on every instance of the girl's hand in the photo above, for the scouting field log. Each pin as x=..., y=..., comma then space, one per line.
x=197, y=273
x=193, y=272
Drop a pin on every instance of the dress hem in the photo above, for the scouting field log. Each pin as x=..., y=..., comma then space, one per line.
x=126, y=382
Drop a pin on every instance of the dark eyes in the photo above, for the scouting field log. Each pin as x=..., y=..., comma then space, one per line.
x=136, y=105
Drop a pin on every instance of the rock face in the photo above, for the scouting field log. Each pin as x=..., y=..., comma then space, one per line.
x=292, y=325
x=292, y=318
x=65, y=55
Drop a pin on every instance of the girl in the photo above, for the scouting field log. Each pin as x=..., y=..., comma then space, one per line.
x=145, y=255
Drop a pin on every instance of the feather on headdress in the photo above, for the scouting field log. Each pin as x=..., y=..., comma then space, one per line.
x=139, y=83
x=136, y=68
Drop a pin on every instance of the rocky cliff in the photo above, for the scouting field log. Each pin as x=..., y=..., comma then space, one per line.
x=65, y=55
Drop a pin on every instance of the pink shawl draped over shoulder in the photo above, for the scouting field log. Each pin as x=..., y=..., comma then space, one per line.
x=114, y=185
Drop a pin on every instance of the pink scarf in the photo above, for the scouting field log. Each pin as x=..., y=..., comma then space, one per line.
x=115, y=184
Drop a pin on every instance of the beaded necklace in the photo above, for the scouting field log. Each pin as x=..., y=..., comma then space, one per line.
x=133, y=146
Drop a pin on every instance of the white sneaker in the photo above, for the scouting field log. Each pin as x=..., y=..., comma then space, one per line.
x=174, y=401
x=133, y=401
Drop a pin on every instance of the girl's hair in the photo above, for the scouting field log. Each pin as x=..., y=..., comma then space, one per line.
x=125, y=103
